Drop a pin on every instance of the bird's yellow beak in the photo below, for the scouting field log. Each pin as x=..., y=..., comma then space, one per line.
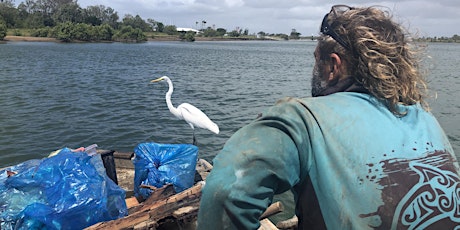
x=157, y=80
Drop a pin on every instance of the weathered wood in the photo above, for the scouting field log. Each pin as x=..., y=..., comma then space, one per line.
x=289, y=223
x=273, y=209
x=123, y=155
x=153, y=188
x=131, y=202
x=203, y=168
x=126, y=223
x=185, y=211
x=146, y=225
x=123, y=159
x=160, y=194
x=205, y=165
x=266, y=224
x=155, y=212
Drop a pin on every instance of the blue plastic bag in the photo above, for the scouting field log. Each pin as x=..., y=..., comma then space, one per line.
x=159, y=164
x=68, y=191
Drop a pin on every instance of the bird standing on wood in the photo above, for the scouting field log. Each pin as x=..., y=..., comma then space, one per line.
x=187, y=112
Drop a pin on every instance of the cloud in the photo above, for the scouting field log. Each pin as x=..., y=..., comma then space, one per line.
x=234, y=3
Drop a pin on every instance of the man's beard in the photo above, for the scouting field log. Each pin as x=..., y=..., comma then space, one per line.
x=317, y=84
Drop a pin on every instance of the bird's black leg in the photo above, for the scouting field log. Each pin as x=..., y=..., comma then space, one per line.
x=194, y=139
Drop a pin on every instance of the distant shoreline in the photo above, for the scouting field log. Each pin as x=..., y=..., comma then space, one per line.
x=11, y=38
x=28, y=39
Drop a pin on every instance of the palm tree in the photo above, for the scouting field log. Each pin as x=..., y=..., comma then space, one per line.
x=203, y=24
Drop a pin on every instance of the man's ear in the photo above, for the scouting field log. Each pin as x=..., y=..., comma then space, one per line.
x=336, y=64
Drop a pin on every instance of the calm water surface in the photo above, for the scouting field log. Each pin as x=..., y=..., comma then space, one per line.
x=70, y=95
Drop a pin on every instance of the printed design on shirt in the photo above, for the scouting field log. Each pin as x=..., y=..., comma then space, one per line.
x=433, y=198
x=416, y=193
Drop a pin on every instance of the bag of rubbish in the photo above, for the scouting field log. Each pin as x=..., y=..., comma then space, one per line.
x=67, y=191
x=160, y=164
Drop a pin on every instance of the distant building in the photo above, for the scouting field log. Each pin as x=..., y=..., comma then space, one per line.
x=180, y=29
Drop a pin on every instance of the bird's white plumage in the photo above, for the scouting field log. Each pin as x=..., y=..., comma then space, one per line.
x=187, y=112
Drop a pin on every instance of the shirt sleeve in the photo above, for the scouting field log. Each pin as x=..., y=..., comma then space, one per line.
x=258, y=161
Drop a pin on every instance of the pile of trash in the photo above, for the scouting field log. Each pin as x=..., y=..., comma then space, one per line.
x=161, y=164
x=69, y=190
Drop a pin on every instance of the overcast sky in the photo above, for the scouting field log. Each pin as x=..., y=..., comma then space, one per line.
x=423, y=17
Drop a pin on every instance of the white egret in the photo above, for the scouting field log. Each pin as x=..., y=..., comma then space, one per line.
x=187, y=112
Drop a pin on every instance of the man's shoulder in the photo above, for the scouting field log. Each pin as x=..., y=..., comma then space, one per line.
x=332, y=100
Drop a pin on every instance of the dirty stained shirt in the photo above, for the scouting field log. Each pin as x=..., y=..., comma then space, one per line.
x=349, y=161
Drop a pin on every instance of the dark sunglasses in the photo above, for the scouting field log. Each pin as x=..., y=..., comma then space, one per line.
x=326, y=28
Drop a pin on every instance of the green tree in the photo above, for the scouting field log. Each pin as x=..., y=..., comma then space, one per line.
x=50, y=7
x=456, y=38
x=22, y=16
x=110, y=17
x=82, y=32
x=209, y=32
x=234, y=33
x=189, y=36
x=129, y=34
x=28, y=6
x=3, y=30
x=246, y=32
x=283, y=36
x=93, y=15
x=155, y=25
x=170, y=29
x=35, y=20
x=92, y=20
x=68, y=32
x=47, y=9
x=64, y=32
x=68, y=13
x=48, y=12
x=136, y=22
x=42, y=32
x=8, y=14
x=105, y=32
x=294, y=34
x=261, y=34
x=160, y=27
x=221, y=32
x=98, y=15
x=203, y=23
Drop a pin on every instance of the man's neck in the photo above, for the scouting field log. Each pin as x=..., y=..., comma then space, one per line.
x=346, y=85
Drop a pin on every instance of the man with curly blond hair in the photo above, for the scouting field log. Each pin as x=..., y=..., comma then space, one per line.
x=362, y=153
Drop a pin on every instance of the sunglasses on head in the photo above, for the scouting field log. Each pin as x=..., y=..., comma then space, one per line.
x=326, y=28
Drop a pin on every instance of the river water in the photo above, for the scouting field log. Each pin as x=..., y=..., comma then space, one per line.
x=55, y=95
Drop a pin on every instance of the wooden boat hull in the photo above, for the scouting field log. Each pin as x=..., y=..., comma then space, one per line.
x=163, y=208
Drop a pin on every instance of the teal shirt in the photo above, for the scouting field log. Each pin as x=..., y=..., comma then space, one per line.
x=364, y=166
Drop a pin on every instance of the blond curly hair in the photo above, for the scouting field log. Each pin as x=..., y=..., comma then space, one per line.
x=380, y=57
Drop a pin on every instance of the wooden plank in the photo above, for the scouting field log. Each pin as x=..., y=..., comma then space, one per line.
x=273, y=209
x=157, y=194
x=123, y=155
x=156, y=211
x=123, y=159
x=131, y=202
x=184, y=211
x=203, y=168
x=128, y=222
x=147, y=225
x=288, y=224
x=266, y=224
